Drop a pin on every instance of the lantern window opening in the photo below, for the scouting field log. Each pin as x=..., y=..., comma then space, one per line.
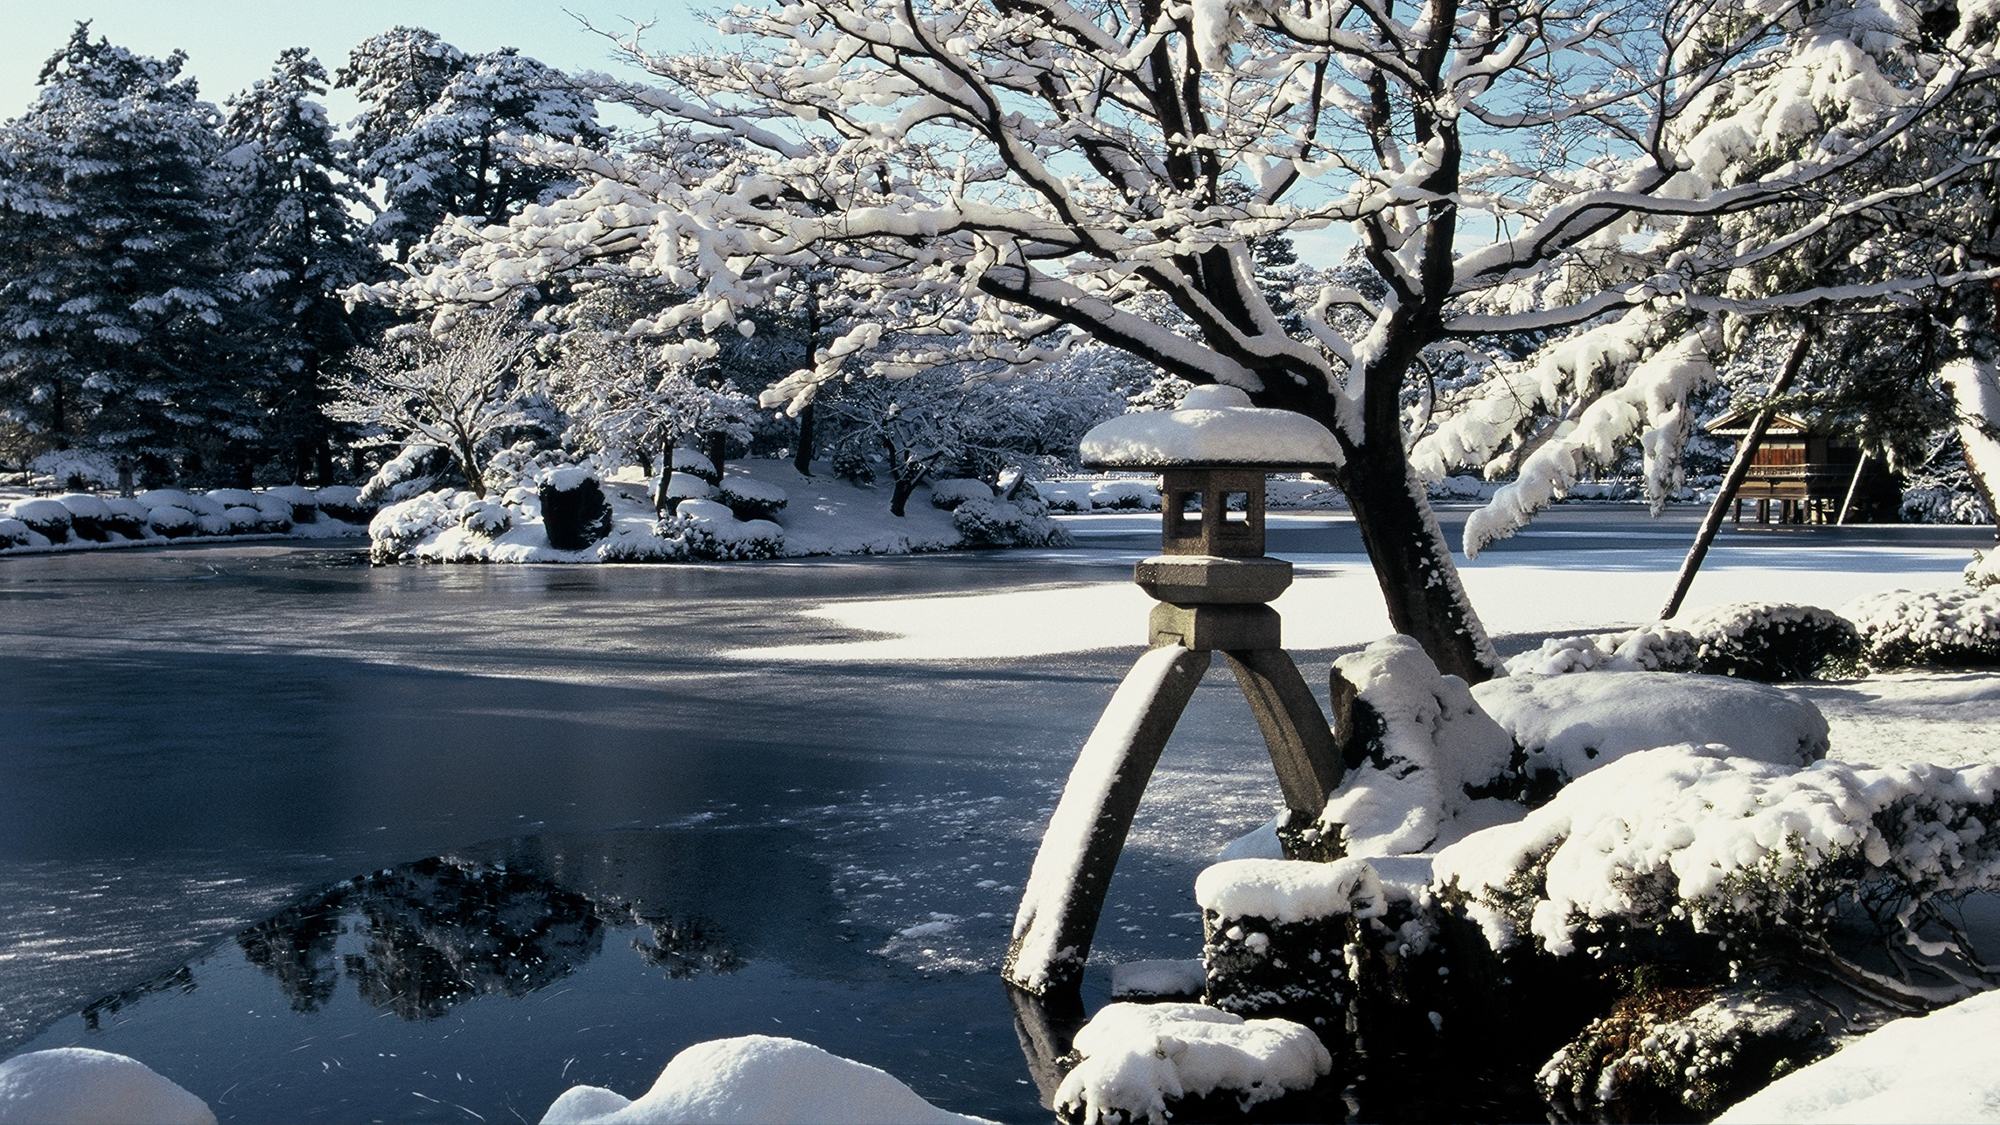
x=1236, y=507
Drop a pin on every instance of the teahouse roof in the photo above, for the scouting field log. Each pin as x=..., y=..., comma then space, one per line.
x=1213, y=426
x=1736, y=423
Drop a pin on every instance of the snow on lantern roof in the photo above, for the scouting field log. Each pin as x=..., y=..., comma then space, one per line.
x=1214, y=425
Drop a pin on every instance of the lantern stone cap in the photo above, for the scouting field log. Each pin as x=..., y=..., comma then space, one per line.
x=1215, y=426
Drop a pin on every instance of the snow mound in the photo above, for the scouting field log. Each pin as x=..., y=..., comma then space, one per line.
x=1213, y=425
x=1289, y=891
x=1136, y=1056
x=949, y=494
x=757, y=1080
x=81, y=1086
x=1567, y=726
x=1425, y=741
x=1901, y=628
x=1658, y=647
x=1725, y=842
x=1941, y=1067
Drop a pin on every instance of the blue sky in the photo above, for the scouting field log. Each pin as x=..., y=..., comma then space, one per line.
x=230, y=45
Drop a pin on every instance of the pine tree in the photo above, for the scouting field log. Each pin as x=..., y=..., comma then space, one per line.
x=432, y=130
x=295, y=244
x=112, y=287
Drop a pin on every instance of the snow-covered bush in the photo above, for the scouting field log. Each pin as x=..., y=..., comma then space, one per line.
x=575, y=513
x=171, y=522
x=213, y=523
x=1983, y=570
x=1752, y=854
x=1415, y=742
x=397, y=529
x=486, y=519
x=1658, y=647
x=343, y=502
x=694, y=463
x=1140, y=1062
x=751, y=499
x=1916, y=628
x=641, y=545
x=126, y=516
x=82, y=1084
x=712, y=531
x=415, y=470
x=76, y=468
x=1133, y=495
x=1759, y=641
x=304, y=504
x=687, y=486
x=88, y=516
x=1005, y=523
x=1943, y=502
x=756, y=1078
x=242, y=520
x=45, y=518
x=1563, y=727
x=1460, y=487
x=14, y=533
x=949, y=494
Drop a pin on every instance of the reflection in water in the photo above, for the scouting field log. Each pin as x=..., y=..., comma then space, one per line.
x=440, y=931
x=180, y=980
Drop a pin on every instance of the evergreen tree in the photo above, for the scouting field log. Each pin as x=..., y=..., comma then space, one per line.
x=432, y=130
x=296, y=244
x=112, y=286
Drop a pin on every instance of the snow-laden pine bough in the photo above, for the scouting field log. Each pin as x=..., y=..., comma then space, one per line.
x=1005, y=183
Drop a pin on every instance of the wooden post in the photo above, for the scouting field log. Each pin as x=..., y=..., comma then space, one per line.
x=1852, y=486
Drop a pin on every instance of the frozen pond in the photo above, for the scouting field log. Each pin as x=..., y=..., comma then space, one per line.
x=326, y=842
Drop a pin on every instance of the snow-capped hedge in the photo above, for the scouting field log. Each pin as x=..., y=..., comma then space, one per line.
x=949, y=494
x=753, y=499
x=1651, y=648
x=1751, y=640
x=1915, y=628
x=77, y=520
x=695, y=464
x=712, y=531
x=1006, y=523
x=1729, y=846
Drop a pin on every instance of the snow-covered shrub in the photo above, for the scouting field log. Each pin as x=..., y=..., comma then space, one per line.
x=712, y=531
x=687, y=486
x=949, y=494
x=1916, y=628
x=85, y=1084
x=14, y=533
x=203, y=504
x=273, y=513
x=1563, y=727
x=242, y=520
x=166, y=498
x=76, y=468
x=213, y=523
x=397, y=529
x=45, y=518
x=1415, y=743
x=343, y=502
x=233, y=497
x=89, y=518
x=1943, y=502
x=171, y=522
x=1751, y=853
x=1005, y=523
x=575, y=513
x=1145, y=1062
x=127, y=517
x=751, y=499
x=1065, y=496
x=1460, y=487
x=304, y=504
x=640, y=545
x=1658, y=647
x=694, y=463
x=1760, y=641
x=756, y=1078
x=415, y=470
x=1983, y=570
x=486, y=519
x=1131, y=495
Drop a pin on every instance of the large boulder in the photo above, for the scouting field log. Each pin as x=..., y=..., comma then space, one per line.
x=575, y=513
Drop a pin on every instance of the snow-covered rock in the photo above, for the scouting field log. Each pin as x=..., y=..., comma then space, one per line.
x=1944, y=1066
x=81, y=1086
x=1279, y=890
x=1424, y=742
x=1903, y=628
x=1567, y=726
x=1138, y=1057
x=757, y=1080
x=1724, y=843
x=1214, y=424
x=1275, y=935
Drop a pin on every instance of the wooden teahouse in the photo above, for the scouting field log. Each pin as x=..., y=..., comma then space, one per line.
x=1803, y=473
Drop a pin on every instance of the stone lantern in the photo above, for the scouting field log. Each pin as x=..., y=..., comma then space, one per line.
x=1213, y=583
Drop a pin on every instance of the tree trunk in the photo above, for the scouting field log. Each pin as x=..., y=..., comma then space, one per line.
x=899, y=496
x=802, y=458
x=660, y=501
x=468, y=463
x=716, y=442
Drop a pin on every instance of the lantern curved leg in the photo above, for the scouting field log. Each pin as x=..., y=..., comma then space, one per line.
x=1295, y=730
x=1065, y=893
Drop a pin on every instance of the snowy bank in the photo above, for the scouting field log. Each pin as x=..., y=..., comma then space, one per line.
x=760, y=1079
x=81, y=1086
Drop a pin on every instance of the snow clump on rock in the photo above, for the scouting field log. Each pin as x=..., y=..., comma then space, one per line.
x=757, y=1078
x=78, y=1085
x=1138, y=1057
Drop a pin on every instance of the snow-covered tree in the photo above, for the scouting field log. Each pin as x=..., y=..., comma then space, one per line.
x=1008, y=177
x=113, y=283
x=436, y=124
x=296, y=243
x=460, y=389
